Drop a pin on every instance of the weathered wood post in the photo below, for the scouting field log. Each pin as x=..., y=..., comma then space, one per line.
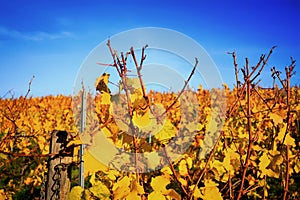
x=59, y=171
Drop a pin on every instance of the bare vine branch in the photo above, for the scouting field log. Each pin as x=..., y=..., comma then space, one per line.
x=183, y=88
x=287, y=173
x=206, y=164
x=173, y=171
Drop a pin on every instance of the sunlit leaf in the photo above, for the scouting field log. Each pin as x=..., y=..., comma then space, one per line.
x=100, y=190
x=105, y=98
x=91, y=164
x=183, y=170
x=159, y=183
x=141, y=120
x=168, y=131
x=156, y=195
x=121, y=188
x=75, y=193
x=277, y=119
x=289, y=140
x=173, y=194
x=263, y=164
x=101, y=83
x=211, y=191
x=197, y=192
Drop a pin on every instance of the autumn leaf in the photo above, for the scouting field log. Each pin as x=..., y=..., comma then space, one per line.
x=141, y=120
x=172, y=194
x=155, y=195
x=159, y=183
x=182, y=166
x=277, y=119
x=289, y=140
x=231, y=158
x=211, y=191
x=153, y=159
x=28, y=181
x=91, y=164
x=263, y=164
x=75, y=193
x=281, y=132
x=102, y=83
x=101, y=191
x=121, y=188
x=136, y=190
x=197, y=192
x=183, y=181
x=167, y=132
x=105, y=98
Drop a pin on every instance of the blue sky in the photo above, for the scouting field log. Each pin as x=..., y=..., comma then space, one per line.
x=51, y=39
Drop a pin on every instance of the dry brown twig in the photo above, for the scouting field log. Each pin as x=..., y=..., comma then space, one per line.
x=183, y=88
x=243, y=87
x=173, y=171
x=121, y=67
x=247, y=87
x=206, y=164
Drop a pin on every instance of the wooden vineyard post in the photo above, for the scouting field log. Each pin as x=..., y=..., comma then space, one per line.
x=59, y=174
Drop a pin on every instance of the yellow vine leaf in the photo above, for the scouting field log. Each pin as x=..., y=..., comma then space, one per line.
x=91, y=164
x=105, y=98
x=75, y=193
x=276, y=118
x=3, y=156
x=41, y=142
x=159, y=183
x=289, y=140
x=183, y=171
x=121, y=189
x=135, y=190
x=101, y=191
x=220, y=170
x=112, y=174
x=167, y=132
x=102, y=82
x=183, y=181
x=141, y=120
x=153, y=159
x=93, y=180
x=281, y=132
x=133, y=196
x=155, y=195
x=189, y=162
x=137, y=187
x=87, y=194
x=297, y=166
x=230, y=157
x=269, y=166
x=263, y=164
x=26, y=151
x=3, y=195
x=197, y=192
x=172, y=195
x=166, y=170
x=28, y=181
x=211, y=191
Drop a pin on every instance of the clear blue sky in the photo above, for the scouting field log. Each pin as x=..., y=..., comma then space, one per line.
x=50, y=39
